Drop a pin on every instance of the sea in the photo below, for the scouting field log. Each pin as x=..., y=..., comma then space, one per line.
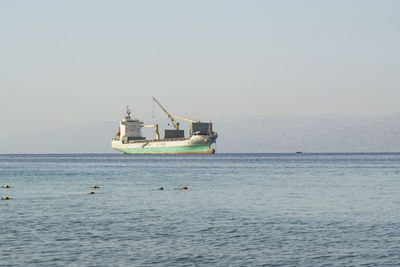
x=238, y=210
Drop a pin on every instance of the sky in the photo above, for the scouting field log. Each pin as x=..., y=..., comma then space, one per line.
x=69, y=64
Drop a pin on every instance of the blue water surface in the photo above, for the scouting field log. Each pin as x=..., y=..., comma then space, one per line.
x=239, y=210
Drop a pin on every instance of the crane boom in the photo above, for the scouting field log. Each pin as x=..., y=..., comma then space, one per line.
x=176, y=124
x=185, y=119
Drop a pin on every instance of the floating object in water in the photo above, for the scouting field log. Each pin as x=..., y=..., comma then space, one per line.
x=299, y=152
x=5, y=198
x=95, y=186
x=91, y=193
x=160, y=188
x=181, y=188
x=6, y=186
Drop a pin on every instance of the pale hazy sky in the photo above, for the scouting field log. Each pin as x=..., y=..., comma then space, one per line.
x=72, y=63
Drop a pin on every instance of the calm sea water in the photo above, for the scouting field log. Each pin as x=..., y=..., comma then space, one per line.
x=239, y=210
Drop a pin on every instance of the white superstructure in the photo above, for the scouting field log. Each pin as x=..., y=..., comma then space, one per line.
x=130, y=129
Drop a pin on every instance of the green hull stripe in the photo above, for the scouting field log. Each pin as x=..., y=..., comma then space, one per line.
x=166, y=149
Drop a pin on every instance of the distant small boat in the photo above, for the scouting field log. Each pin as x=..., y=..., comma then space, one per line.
x=299, y=152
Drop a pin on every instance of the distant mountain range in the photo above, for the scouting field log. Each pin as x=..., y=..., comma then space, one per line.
x=94, y=138
x=310, y=135
x=241, y=135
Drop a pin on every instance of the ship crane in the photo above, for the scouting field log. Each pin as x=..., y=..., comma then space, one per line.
x=185, y=119
x=189, y=120
x=171, y=117
x=155, y=126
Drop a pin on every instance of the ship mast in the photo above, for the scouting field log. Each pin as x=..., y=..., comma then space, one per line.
x=128, y=113
x=171, y=117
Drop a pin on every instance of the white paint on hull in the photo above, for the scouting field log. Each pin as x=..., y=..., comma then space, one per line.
x=195, y=140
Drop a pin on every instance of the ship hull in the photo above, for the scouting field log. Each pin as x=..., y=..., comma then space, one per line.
x=193, y=145
x=169, y=150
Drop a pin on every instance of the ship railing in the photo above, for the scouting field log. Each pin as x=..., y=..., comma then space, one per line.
x=158, y=140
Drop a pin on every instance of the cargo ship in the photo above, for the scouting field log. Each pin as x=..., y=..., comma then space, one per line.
x=129, y=139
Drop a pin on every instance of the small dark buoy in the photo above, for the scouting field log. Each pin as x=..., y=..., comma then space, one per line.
x=95, y=187
x=91, y=193
x=160, y=188
x=5, y=198
x=184, y=188
x=6, y=186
